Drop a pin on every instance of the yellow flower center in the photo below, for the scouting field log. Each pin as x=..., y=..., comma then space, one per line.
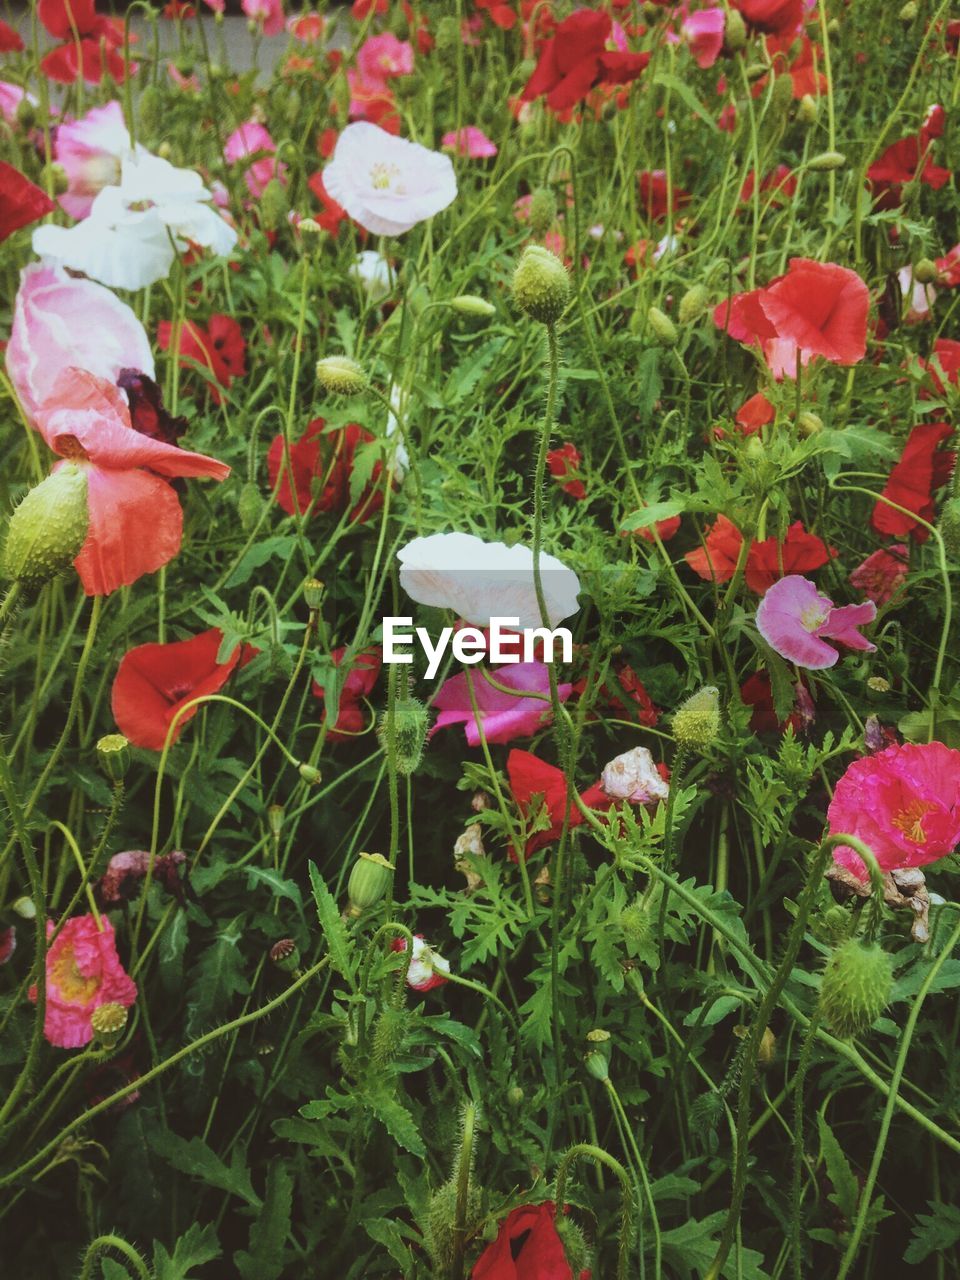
x=383, y=174
x=74, y=987
x=812, y=617
x=910, y=821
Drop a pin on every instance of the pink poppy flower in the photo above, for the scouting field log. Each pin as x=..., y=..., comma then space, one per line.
x=253, y=139
x=903, y=803
x=8, y=943
x=83, y=973
x=91, y=151
x=61, y=321
x=470, y=142
x=135, y=521
x=382, y=57
x=504, y=716
x=796, y=621
x=703, y=32
x=882, y=574
x=427, y=969
x=268, y=13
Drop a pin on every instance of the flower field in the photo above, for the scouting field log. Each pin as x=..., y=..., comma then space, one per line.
x=479, y=704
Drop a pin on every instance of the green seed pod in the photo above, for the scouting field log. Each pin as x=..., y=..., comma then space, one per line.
x=543, y=211
x=285, y=955
x=310, y=774
x=949, y=526
x=855, y=988
x=735, y=32
x=925, y=272
x=370, y=878
x=469, y=304
x=313, y=594
x=341, y=375
x=693, y=304
x=273, y=206
x=827, y=161
x=596, y=1060
x=48, y=528
x=541, y=285
x=662, y=327
x=249, y=506
x=108, y=1022
x=809, y=424
x=809, y=110
x=696, y=722
x=113, y=756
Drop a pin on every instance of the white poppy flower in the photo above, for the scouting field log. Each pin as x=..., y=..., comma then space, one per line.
x=373, y=273
x=482, y=580
x=634, y=777
x=385, y=183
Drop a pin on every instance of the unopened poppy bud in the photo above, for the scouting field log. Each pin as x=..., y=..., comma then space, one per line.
x=310, y=227
x=48, y=528
x=108, y=1022
x=543, y=211
x=597, y=1058
x=855, y=988
x=469, y=304
x=26, y=113
x=925, y=272
x=541, y=285
x=757, y=70
x=827, y=161
x=310, y=774
x=25, y=908
x=313, y=594
x=735, y=31
x=833, y=28
x=113, y=756
x=809, y=424
x=285, y=955
x=275, y=815
x=53, y=177
x=515, y=1095
x=410, y=724
x=693, y=304
x=809, y=110
x=696, y=722
x=249, y=506
x=447, y=39
x=781, y=95
x=662, y=327
x=274, y=206
x=909, y=11
x=341, y=375
x=370, y=878
x=949, y=526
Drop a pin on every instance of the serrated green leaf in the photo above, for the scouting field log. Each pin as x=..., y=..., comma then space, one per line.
x=268, y=1231
x=197, y=1246
x=278, y=547
x=846, y=1189
x=396, y=1119
x=334, y=930
x=936, y=1232
x=194, y=1158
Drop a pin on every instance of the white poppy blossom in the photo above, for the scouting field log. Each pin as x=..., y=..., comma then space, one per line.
x=373, y=274
x=634, y=777
x=482, y=580
x=134, y=230
x=385, y=183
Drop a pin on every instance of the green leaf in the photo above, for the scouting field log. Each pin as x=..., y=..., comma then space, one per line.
x=196, y=1159
x=393, y=1238
x=936, y=1232
x=651, y=515
x=334, y=930
x=396, y=1119
x=688, y=97
x=197, y=1246
x=278, y=547
x=281, y=888
x=268, y=1231
x=846, y=1189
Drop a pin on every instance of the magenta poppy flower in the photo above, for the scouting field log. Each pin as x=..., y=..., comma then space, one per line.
x=470, y=142
x=703, y=32
x=504, y=716
x=882, y=574
x=796, y=621
x=254, y=139
x=903, y=803
x=83, y=972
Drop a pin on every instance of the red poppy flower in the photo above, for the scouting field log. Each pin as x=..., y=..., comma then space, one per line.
x=321, y=463
x=220, y=348
x=623, y=693
x=21, y=202
x=533, y=782
x=882, y=574
x=527, y=1247
x=717, y=560
x=10, y=40
x=576, y=59
x=770, y=560
x=91, y=42
x=754, y=413
x=331, y=214
x=778, y=17
x=500, y=14
x=905, y=161
x=800, y=60
x=665, y=529
x=756, y=693
x=946, y=360
x=654, y=193
x=923, y=468
x=781, y=181
x=154, y=681
x=948, y=268
x=564, y=464
x=358, y=685
x=135, y=522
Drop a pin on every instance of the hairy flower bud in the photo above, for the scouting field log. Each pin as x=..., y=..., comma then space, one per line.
x=781, y=94
x=809, y=110
x=925, y=272
x=543, y=211
x=696, y=722
x=735, y=31
x=370, y=878
x=410, y=724
x=113, y=755
x=469, y=304
x=249, y=506
x=909, y=11
x=809, y=424
x=341, y=375
x=949, y=526
x=693, y=304
x=855, y=988
x=48, y=528
x=826, y=161
x=541, y=285
x=150, y=106
x=662, y=327
x=53, y=178
x=310, y=774
x=274, y=206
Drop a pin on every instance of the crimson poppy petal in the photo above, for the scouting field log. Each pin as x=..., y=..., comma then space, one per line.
x=135, y=527
x=21, y=201
x=822, y=307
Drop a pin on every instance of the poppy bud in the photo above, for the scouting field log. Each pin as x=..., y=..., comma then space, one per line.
x=310, y=227
x=313, y=594
x=389, y=1033
x=108, y=1022
x=275, y=820
x=855, y=988
x=410, y=724
x=285, y=955
x=949, y=525
x=294, y=108
x=447, y=40
x=809, y=424
x=543, y=211
x=735, y=31
x=310, y=774
x=833, y=28
x=833, y=927
x=273, y=205
x=48, y=528
x=25, y=908
x=541, y=285
x=909, y=11
x=693, y=304
x=597, y=1058
x=468, y=304
x=575, y=1247
x=757, y=70
x=634, y=924
x=341, y=375
x=113, y=755
x=696, y=722
x=781, y=95
x=662, y=327
x=809, y=109
x=925, y=272
x=515, y=1095
x=249, y=506
x=26, y=113
x=369, y=881
x=151, y=110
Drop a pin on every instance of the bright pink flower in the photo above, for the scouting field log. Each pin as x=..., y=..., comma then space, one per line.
x=90, y=151
x=470, y=142
x=427, y=968
x=269, y=13
x=308, y=27
x=903, y=803
x=135, y=521
x=60, y=321
x=703, y=32
x=254, y=139
x=796, y=621
x=882, y=574
x=503, y=716
x=8, y=943
x=382, y=57
x=83, y=973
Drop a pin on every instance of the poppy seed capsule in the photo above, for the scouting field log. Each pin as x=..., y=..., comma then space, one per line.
x=285, y=955
x=925, y=272
x=696, y=722
x=855, y=988
x=313, y=594
x=341, y=375
x=827, y=161
x=370, y=879
x=662, y=327
x=541, y=285
x=113, y=756
x=693, y=304
x=48, y=528
x=108, y=1022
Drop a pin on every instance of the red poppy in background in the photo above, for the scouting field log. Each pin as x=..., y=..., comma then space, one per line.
x=770, y=560
x=358, y=685
x=321, y=463
x=716, y=561
x=21, y=202
x=624, y=694
x=575, y=59
x=948, y=268
x=754, y=413
x=781, y=181
x=527, y=1247
x=654, y=193
x=564, y=465
x=922, y=469
x=757, y=693
x=502, y=15
x=800, y=61
x=946, y=360
x=154, y=681
x=220, y=348
x=91, y=42
x=532, y=783
x=10, y=40
x=331, y=214
x=882, y=574
x=903, y=162
x=776, y=17
x=665, y=529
